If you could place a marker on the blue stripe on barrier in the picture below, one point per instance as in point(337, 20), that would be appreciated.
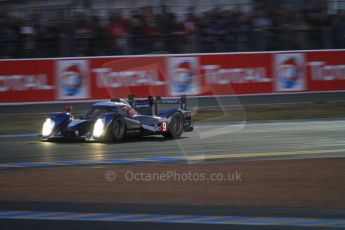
point(169, 218)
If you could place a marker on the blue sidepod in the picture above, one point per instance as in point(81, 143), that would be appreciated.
point(168, 112)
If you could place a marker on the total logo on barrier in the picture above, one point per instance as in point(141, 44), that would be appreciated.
point(290, 72)
point(24, 82)
point(72, 79)
point(184, 75)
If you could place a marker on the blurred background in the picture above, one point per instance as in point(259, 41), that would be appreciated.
point(67, 28)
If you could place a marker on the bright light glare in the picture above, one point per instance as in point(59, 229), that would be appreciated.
point(48, 127)
point(98, 128)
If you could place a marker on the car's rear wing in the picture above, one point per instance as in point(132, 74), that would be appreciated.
point(153, 103)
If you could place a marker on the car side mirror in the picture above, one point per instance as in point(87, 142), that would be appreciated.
point(68, 109)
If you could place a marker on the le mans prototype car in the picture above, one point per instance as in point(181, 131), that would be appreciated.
point(118, 119)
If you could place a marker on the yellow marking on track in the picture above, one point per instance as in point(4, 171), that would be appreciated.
point(49, 163)
point(122, 217)
point(267, 154)
point(328, 224)
point(206, 218)
point(12, 212)
point(292, 221)
point(246, 220)
point(77, 215)
point(12, 166)
point(160, 218)
point(41, 215)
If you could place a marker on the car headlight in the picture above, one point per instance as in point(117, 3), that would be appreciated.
point(98, 129)
point(48, 127)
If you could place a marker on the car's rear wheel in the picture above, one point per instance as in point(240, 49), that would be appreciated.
point(118, 129)
point(176, 126)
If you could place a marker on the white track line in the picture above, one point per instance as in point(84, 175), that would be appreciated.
point(19, 135)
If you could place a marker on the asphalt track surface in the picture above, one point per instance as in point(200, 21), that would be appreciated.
point(194, 102)
point(273, 140)
point(210, 142)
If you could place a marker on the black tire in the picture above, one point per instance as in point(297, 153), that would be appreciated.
point(176, 126)
point(118, 129)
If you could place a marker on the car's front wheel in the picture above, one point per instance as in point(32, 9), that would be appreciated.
point(118, 129)
point(176, 126)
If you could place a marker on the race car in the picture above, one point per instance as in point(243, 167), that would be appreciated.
point(118, 119)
